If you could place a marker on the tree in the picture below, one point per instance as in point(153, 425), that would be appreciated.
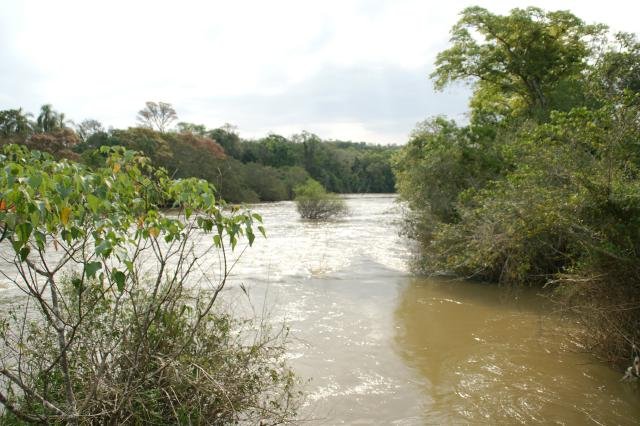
point(15, 122)
point(88, 128)
point(227, 137)
point(523, 57)
point(542, 186)
point(266, 182)
point(313, 202)
point(372, 173)
point(617, 68)
point(197, 129)
point(49, 119)
point(100, 338)
point(292, 177)
point(157, 115)
point(279, 152)
point(439, 163)
point(59, 142)
point(150, 142)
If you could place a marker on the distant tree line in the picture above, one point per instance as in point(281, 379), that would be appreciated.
point(265, 169)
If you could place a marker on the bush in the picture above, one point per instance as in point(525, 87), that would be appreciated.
point(120, 323)
point(179, 368)
point(313, 202)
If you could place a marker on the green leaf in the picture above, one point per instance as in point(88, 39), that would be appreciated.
point(94, 202)
point(120, 278)
point(75, 232)
point(23, 231)
point(66, 236)
point(35, 218)
point(206, 225)
point(91, 268)
point(104, 248)
point(35, 181)
point(41, 239)
point(24, 252)
point(262, 231)
point(216, 240)
point(77, 283)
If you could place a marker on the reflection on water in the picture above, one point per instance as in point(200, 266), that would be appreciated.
point(336, 285)
point(490, 357)
point(383, 347)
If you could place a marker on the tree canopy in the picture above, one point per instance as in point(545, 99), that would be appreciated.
point(157, 115)
point(521, 60)
point(541, 186)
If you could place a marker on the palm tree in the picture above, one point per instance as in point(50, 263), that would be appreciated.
point(22, 122)
point(63, 123)
point(15, 121)
point(48, 119)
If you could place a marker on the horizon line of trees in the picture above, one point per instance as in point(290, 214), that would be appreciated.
point(243, 170)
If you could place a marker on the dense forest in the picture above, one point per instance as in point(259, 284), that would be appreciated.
point(541, 186)
point(265, 169)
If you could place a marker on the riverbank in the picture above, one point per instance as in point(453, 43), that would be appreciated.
point(381, 346)
point(378, 345)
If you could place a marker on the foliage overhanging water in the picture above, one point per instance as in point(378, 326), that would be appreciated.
point(384, 347)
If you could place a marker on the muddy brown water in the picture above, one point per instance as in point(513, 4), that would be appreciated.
point(378, 345)
point(382, 346)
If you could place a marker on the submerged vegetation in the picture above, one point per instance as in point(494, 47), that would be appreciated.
point(112, 328)
point(542, 186)
point(315, 203)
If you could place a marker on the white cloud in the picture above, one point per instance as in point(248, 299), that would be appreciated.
point(105, 59)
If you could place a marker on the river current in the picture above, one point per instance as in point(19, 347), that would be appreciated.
point(381, 346)
point(377, 345)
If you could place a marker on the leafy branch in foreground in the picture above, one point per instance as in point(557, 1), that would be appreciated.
point(119, 322)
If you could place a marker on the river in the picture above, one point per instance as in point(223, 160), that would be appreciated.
point(381, 346)
point(376, 345)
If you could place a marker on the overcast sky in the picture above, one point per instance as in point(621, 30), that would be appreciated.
point(350, 70)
